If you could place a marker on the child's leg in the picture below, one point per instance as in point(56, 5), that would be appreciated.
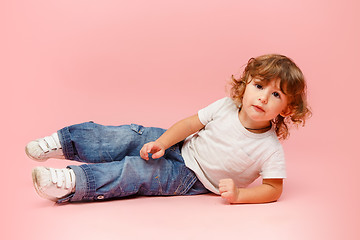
point(122, 177)
point(131, 176)
point(94, 143)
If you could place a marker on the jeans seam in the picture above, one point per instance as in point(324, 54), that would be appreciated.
point(186, 183)
point(90, 182)
point(189, 185)
point(65, 142)
point(160, 187)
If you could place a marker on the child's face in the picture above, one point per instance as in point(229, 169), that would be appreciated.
point(262, 102)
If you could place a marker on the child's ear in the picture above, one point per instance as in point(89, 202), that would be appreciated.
point(286, 112)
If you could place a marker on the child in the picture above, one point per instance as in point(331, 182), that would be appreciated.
point(222, 149)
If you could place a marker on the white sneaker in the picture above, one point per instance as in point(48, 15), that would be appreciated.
point(53, 184)
point(45, 148)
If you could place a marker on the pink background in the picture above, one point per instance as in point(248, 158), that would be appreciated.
point(155, 62)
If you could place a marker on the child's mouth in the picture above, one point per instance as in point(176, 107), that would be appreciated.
point(258, 108)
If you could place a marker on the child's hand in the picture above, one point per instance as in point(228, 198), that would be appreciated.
point(155, 148)
point(228, 190)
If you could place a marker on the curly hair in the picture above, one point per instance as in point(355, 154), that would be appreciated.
point(292, 84)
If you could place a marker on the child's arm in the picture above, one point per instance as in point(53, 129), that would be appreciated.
point(176, 133)
point(269, 191)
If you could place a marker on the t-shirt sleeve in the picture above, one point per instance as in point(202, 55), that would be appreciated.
point(275, 166)
point(207, 114)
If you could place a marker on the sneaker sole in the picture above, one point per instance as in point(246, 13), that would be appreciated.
point(33, 158)
point(38, 191)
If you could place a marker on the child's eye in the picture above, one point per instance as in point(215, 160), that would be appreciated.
point(276, 94)
point(258, 86)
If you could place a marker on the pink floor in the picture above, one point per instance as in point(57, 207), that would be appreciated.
point(155, 62)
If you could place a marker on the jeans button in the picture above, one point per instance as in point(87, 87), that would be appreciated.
point(100, 197)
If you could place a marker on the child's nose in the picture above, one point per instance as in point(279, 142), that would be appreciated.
point(263, 98)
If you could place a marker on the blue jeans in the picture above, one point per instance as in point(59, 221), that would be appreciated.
point(116, 168)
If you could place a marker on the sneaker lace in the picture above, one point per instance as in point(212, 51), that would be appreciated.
point(63, 177)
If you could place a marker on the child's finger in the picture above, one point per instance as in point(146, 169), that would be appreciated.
point(157, 155)
point(228, 196)
point(144, 156)
point(150, 146)
point(154, 155)
point(144, 152)
point(222, 189)
point(225, 195)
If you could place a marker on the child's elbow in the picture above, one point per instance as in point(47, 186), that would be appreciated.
point(277, 194)
point(275, 188)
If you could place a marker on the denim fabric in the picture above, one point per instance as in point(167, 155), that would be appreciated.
point(116, 168)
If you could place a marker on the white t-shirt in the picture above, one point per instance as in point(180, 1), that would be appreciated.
point(225, 149)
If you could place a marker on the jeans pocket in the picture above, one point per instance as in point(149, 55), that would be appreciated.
point(137, 128)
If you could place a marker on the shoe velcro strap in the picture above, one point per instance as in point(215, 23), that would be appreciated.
point(62, 177)
point(44, 146)
point(51, 143)
point(55, 136)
